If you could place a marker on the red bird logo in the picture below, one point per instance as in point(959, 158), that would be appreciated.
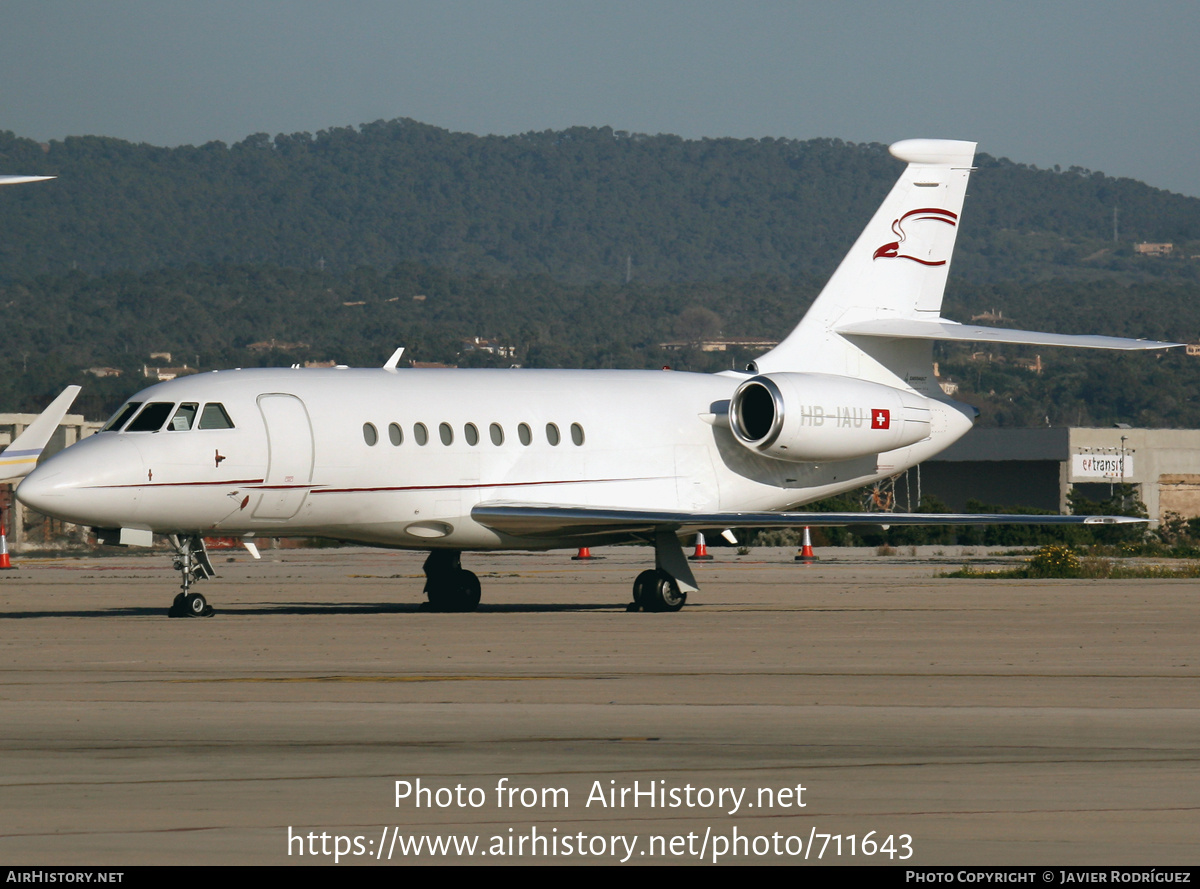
point(926, 214)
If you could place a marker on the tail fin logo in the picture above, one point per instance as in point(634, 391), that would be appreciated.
point(926, 214)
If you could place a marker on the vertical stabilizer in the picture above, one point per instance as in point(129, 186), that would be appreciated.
point(20, 457)
point(896, 269)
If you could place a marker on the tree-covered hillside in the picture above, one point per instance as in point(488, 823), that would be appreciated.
point(581, 205)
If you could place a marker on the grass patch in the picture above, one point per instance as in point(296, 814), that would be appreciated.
point(1056, 561)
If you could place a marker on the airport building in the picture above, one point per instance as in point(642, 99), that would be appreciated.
point(1039, 467)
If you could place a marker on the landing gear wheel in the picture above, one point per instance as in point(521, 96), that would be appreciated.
point(655, 590)
point(468, 591)
point(190, 605)
point(664, 594)
point(458, 591)
point(643, 584)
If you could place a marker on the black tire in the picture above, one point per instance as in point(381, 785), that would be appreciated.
point(664, 594)
point(643, 586)
point(468, 591)
point(198, 606)
point(191, 605)
point(458, 592)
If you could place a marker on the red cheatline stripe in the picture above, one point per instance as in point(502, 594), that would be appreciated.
point(317, 489)
point(569, 481)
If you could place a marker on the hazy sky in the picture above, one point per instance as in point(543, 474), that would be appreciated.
point(1105, 85)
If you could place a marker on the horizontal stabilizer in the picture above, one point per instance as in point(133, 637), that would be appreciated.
point(545, 520)
point(945, 329)
point(18, 180)
point(20, 457)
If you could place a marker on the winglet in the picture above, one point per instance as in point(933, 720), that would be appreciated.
point(20, 457)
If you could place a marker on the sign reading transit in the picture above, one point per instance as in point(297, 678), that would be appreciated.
point(1102, 466)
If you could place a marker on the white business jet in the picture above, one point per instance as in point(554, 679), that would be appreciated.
point(456, 460)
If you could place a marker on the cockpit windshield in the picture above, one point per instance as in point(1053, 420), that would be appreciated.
point(151, 418)
point(121, 417)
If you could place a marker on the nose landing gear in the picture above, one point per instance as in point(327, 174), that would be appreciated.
point(192, 563)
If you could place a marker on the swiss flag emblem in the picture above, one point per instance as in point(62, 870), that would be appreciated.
point(881, 419)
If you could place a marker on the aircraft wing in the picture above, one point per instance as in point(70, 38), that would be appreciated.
point(945, 329)
point(20, 457)
point(545, 520)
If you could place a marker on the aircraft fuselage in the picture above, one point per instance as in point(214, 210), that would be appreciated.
point(298, 459)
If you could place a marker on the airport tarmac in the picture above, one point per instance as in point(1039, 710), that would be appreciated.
point(1000, 722)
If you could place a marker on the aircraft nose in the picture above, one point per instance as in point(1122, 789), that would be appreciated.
point(94, 482)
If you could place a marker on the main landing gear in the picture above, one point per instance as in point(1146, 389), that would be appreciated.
point(449, 586)
point(656, 590)
point(666, 586)
point(192, 563)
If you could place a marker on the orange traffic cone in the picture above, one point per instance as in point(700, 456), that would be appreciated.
point(5, 563)
point(584, 555)
point(701, 553)
point(806, 554)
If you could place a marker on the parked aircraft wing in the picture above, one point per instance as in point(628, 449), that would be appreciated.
point(945, 329)
point(20, 457)
point(544, 520)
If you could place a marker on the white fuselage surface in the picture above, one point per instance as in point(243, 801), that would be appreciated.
point(297, 460)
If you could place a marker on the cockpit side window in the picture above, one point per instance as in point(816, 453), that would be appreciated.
point(121, 417)
point(184, 418)
point(214, 417)
point(152, 417)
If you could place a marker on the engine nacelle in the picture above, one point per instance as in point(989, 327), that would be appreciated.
point(809, 417)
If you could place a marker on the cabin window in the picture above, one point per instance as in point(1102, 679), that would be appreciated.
point(497, 434)
point(152, 417)
point(370, 434)
point(577, 434)
point(524, 433)
point(395, 434)
point(552, 434)
point(446, 434)
point(421, 434)
point(214, 417)
point(471, 434)
point(121, 417)
point(184, 418)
